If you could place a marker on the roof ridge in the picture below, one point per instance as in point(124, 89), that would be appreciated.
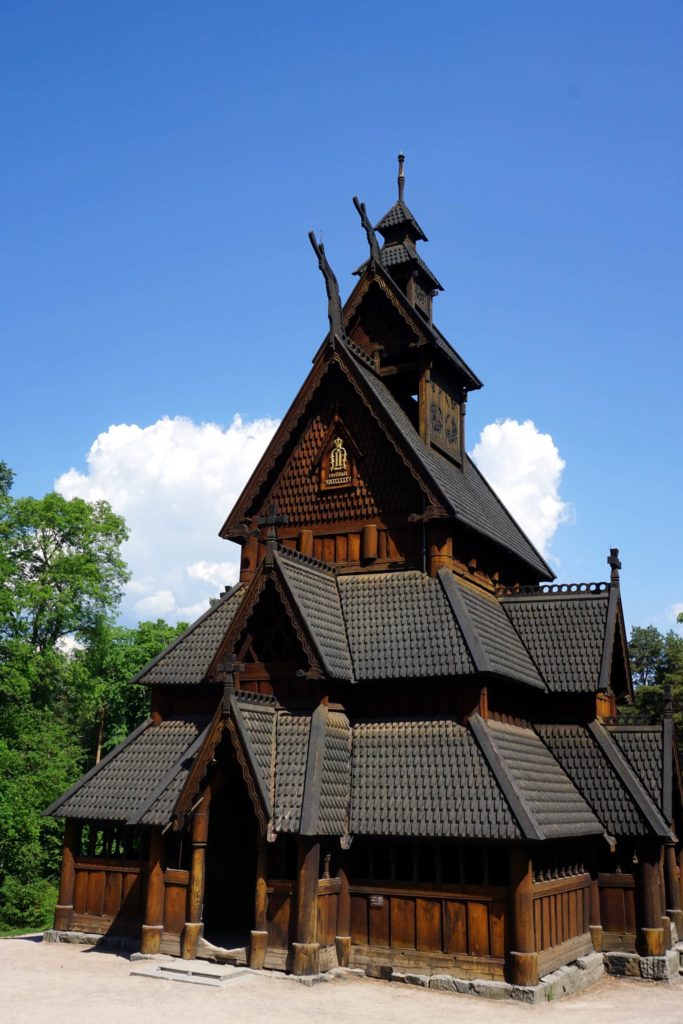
point(518, 805)
point(308, 560)
point(554, 589)
point(190, 629)
point(628, 778)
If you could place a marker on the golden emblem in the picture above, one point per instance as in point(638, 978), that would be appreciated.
point(338, 458)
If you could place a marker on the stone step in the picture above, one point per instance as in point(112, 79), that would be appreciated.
point(193, 972)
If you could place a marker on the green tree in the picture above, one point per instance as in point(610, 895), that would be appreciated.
point(656, 661)
point(61, 576)
point(114, 655)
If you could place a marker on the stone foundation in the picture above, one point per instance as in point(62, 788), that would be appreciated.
point(644, 968)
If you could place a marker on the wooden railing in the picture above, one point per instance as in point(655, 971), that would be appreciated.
point(431, 919)
point(560, 910)
point(108, 893)
point(281, 911)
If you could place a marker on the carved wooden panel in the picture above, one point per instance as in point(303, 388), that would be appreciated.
point(443, 415)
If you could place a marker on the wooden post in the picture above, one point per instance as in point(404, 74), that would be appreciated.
point(65, 903)
point(259, 935)
point(440, 548)
point(680, 876)
point(666, 920)
point(594, 916)
point(651, 932)
point(306, 950)
point(673, 893)
point(369, 542)
point(154, 909)
point(523, 956)
point(342, 939)
point(195, 897)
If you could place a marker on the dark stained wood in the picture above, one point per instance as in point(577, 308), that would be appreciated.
point(428, 925)
point(478, 929)
point(67, 880)
point(94, 902)
point(154, 909)
point(308, 871)
point(402, 920)
point(359, 920)
point(497, 928)
point(455, 926)
point(378, 922)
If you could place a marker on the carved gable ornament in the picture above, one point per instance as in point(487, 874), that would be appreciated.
point(337, 462)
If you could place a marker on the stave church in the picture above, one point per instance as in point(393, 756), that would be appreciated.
point(393, 744)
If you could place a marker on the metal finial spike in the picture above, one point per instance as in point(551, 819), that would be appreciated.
point(401, 176)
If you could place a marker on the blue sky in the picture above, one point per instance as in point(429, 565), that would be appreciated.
point(161, 164)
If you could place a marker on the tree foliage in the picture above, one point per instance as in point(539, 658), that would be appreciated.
point(65, 671)
point(656, 661)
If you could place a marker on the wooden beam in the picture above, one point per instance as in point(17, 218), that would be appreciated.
point(305, 950)
point(195, 897)
point(651, 932)
point(154, 908)
point(523, 956)
point(343, 937)
point(67, 879)
point(259, 935)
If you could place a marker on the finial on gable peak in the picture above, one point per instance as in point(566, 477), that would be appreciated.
point(368, 228)
point(615, 564)
point(401, 176)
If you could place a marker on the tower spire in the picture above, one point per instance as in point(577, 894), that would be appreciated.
point(401, 176)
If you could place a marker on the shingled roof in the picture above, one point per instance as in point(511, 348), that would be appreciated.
point(186, 661)
point(620, 803)
point(397, 215)
point(642, 746)
point(545, 800)
point(140, 780)
point(468, 497)
point(313, 587)
point(563, 632)
point(400, 626)
point(425, 778)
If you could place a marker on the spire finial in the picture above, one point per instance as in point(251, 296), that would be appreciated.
point(615, 564)
point(401, 176)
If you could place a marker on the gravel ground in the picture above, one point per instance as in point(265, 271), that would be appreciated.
point(55, 983)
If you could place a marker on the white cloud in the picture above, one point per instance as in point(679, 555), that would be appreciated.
point(174, 481)
point(674, 611)
point(524, 468)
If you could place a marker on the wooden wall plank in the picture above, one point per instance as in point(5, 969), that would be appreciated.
point(94, 902)
point(359, 920)
point(402, 919)
point(497, 928)
point(80, 891)
point(378, 923)
point(478, 929)
point(113, 889)
point(428, 925)
point(455, 926)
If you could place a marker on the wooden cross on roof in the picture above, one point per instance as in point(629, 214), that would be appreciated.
point(615, 564)
point(229, 666)
point(271, 521)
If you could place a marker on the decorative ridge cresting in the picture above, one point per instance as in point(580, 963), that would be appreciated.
point(552, 589)
point(307, 560)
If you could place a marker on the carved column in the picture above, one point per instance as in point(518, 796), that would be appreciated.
point(306, 950)
point(259, 935)
point(523, 956)
point(673, 894)
point(195, 897)
point(65, 903)
point(666, 920)
point(154, 909)
point(343, 937)
point(650, 932)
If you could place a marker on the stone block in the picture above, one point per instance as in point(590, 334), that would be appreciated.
point(491, 989)
point(417, 979)
point(463, 985)
point(530, 994)
point(443, 982)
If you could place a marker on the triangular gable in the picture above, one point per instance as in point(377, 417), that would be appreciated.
point(290, 462)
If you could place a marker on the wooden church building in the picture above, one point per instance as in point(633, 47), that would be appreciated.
point(393, 744)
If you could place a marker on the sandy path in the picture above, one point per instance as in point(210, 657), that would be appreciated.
point(45, 983)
